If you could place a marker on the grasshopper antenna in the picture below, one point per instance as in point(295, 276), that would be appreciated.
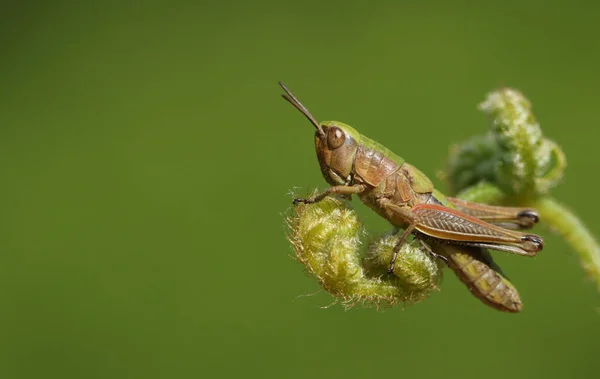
point(289, 96)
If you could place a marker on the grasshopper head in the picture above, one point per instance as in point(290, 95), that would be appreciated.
point(336, 144)
point(336, 149)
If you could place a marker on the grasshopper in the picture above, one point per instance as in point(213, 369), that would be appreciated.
point(458, 231)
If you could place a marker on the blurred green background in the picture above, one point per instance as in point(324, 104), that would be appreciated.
point(146, 159)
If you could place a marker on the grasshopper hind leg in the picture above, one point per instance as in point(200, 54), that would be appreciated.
point(535, 243)
point(527, 218)
point(434, 254)
point(506, 217)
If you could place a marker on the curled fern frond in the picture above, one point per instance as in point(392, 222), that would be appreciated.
point(326, 238)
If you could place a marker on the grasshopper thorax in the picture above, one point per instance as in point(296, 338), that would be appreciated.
point(336, 144)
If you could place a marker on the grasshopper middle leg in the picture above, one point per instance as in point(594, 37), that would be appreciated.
point(398, 246)
point(406, 216)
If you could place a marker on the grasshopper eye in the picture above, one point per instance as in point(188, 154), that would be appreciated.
point(335, 138)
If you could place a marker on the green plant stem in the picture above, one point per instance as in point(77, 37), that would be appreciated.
point(483, 192)
point(565, 223)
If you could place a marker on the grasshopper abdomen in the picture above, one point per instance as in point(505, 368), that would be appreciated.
point(476, 269)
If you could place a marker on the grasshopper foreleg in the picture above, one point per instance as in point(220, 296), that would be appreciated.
point(342, 190)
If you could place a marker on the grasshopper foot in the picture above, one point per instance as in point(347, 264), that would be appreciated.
point(390, 269)
point(303, 201)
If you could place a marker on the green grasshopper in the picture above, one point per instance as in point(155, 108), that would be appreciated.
point(458, 231)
